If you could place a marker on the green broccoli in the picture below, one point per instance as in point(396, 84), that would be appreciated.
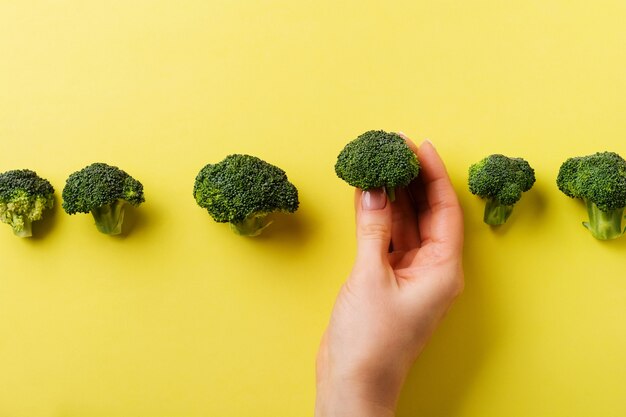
point(23, 198)
point(501, 181)
point(104, 191)
point(600, 181)
point(243, 190)
point(377, 159)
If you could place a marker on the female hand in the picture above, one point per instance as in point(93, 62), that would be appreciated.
point(407, 272)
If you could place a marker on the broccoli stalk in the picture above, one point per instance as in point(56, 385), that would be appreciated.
point(252, 225)
point(109, 217)
point(22, 226)
point(378, 159)
point(496, 213)
point(600, 181)
point(103, 191)
point(23, 198)
point(244, 190)
point(604, 225)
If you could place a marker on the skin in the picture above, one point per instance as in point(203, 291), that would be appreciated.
point(407, 273)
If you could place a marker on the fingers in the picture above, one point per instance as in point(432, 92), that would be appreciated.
point(373, 226)
point(439, 212)
point(428, 211)
point(409, 142)
point(405, 231)
point(404, 227)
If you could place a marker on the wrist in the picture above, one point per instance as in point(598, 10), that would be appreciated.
point(347, 403)
point(357, 395)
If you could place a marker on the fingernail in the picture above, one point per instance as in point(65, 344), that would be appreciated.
point(429, 142)
point(403, 135)
point(374, 199)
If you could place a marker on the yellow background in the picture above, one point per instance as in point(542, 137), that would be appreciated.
point(180, 317)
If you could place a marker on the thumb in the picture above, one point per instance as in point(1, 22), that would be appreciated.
point(373, 226)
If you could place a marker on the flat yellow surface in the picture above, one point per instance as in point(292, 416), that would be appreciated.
point(180, 317)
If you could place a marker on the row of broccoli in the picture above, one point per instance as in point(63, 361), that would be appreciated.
point(99, 189)
point(244, 190)
point(241, 189)
point(380, 159)
point(599, 180)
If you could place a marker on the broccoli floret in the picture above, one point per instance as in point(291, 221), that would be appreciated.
point(23, 198)
point(377, 159)
point(500, 180)
point(103, 191)
point(243, 190)
point(600, 181)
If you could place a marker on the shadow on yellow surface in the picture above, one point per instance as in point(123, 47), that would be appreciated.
point(42, 228)
point(445, 373)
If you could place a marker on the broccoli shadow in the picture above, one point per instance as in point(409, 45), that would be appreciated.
point(43, 227)
point(445, 371)
point(292, 228)
point(529, 211)
point(535, 203)
point(135, 220)
point(616, 244)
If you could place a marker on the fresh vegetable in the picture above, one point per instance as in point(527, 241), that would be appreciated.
point(23, 198)
point(243, 190)
point(377, 159)
point(103, 191)
point(600, 181)
point(500, 181)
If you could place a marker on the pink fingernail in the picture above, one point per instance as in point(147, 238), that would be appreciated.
point(374, 199)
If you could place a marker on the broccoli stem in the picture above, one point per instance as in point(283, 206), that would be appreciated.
point(496, 214)
point(252, 225)
point(604, 225)
point(109, 217)
point(22, 226)
point(391, 193)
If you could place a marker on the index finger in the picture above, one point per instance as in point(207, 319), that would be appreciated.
point(445, 215)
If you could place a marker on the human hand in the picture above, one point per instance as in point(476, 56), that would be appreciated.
point(407, 272)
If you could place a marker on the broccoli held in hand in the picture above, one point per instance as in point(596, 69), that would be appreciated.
point(243, 190)
point(501, 181)
point(103, 191)
point(377, 159)
point(600, 181)
point(23, 198)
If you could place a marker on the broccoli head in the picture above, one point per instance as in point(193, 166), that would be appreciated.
point(103, 191)
point(500, 180)
point(23, 198)
point(243, 190)
point(377, 159)
point(600, 181)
